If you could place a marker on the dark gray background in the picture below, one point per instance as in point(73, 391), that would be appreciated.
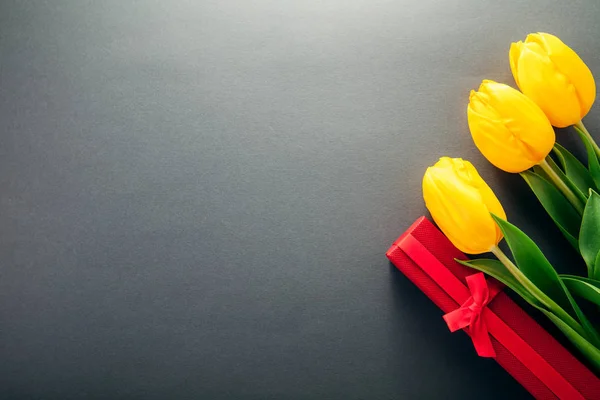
point(196, 197)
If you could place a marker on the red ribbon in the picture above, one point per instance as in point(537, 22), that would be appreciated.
point(469, 314)
point(488, 320)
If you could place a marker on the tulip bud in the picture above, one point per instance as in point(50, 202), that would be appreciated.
point(554, 77)
point(460, 202)
point(509, 129)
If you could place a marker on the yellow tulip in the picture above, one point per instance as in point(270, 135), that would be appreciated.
point(509, 129)
point(553, 75)
point(460, 202)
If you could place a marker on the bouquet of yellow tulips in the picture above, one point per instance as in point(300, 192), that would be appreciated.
point(514, 131)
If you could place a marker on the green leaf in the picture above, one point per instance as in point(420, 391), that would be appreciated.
point(554, 166)
point(589, 234)
point(496, 269)
point(593, 282)
point(582, 196)
point(566, 218)
point(540, 171)
point(591, 353)
point(585, 288)
point(591, 333)
point(593, 164)
point(534, 265)
point(574, 169)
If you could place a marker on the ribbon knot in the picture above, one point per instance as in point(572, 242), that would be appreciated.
point(476, 308)
point(469, 315)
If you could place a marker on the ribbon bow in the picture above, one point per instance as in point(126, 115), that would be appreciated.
point(470, 314)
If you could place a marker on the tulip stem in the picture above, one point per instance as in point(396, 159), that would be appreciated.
point(523, 280)
point(583, 129)
point(546, 301)
point(562, 186)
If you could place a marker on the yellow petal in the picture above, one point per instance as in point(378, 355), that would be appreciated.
point(457, 199)
point(572, 67)
point(508, 128)
point(513, 56)
point(542, 81)
point(497, 144)
point(523, 119)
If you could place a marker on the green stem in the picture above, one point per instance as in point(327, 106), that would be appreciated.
point(562, 186)
point(546, 301)
point(590, 138)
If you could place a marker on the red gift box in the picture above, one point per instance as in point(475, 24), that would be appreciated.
point(518, 343)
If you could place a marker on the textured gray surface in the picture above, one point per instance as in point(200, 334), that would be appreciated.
point(196, 196)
